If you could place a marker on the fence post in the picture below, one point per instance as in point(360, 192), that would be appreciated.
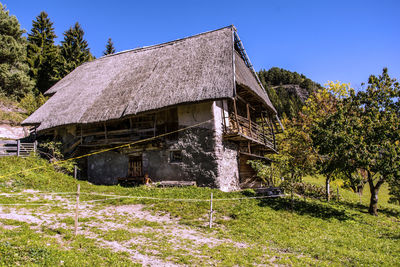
point(211, 210)
point(77, 209)
point(34, 147)
point(18, 147)
point(75, 172)
point(337, 192)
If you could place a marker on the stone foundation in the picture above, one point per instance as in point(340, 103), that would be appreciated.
point(204, 156)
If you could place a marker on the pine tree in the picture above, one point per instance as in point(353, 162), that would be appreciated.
point(42, 53)
point(110, 49)
point(14, 78)
point(74, 50)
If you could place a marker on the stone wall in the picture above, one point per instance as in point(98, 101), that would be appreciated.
point(204, 156)
point(196, 146)
point(106, 168)
point(226, 151)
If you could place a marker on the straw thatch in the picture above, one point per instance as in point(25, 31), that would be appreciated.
point(192, 69)
point(244, 76)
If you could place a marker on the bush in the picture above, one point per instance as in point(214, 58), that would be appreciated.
point(30, 102)
point(270, 174)
point(52, 151)
point(306, 189)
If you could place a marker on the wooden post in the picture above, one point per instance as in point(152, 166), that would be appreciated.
point(236, 118)
point(77, 209)
point(263, 128)
point(337, 193)
point(272, 130)
point(155, 124)
point(35, 146)
point(223, 116)
point(211, 210)
point(359, 195)
point(75, 172)
point(249, 119)
point(18, 147)
point(105, 132)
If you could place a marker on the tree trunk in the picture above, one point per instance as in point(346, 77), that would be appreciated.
point(292, 192)
point(374, 189)
point(327, 187)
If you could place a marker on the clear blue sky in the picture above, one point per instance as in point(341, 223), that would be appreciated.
point(325, 40)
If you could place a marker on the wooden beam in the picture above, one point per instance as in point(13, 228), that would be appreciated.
point(155, 124)
point(249, 118)
point(272, 131)
point(244, 101)
point(223, 115)
point(262, 125)
point(105, 132)
point(72, 146)
point(236, 117)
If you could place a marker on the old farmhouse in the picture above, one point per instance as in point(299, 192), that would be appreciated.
point(153, 94)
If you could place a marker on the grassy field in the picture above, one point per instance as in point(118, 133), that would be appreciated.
point(129, 231)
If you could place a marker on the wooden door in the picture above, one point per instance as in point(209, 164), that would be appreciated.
point(135, 167)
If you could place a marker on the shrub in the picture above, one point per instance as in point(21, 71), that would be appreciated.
point(306, 189)
point(30, 102)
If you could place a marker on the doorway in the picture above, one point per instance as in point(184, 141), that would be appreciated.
point(135, 167)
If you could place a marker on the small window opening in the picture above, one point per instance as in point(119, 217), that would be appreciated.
point(176, 156)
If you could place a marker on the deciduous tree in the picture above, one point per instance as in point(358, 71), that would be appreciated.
point(364, 133)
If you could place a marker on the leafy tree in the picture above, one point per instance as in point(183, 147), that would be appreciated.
point(74, 50)
point(14, 79)
point(318, 106)
point(110, 49)
point(42, 53)
point(296, 157)
point(364, 133)
point(394, 190)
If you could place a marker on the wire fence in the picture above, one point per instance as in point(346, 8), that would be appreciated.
point(113, 197)
point(108, 197)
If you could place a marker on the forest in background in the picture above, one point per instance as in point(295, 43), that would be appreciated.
point(30, 65)
point(287, 90)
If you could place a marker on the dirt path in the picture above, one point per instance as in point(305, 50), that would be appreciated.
point(150, 239)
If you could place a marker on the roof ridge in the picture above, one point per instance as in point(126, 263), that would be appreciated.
point(144, 48)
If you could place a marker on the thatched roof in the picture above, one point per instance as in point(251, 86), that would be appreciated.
point(187, 70)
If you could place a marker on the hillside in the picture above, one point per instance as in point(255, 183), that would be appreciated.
point(156, 226)
point(11, 116)
point(287, 90)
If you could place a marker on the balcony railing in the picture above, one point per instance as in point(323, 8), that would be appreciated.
point(247, 129)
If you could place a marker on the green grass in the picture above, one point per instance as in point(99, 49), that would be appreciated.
point(314, 233)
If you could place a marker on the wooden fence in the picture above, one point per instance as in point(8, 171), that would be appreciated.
point(16, 148)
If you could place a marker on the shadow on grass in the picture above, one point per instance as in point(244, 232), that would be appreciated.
point(364, 209)
point(315, 209)
point(390, 236)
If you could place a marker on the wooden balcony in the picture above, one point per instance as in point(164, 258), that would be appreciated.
point(244, 130)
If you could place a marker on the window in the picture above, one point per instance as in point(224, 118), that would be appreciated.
point(175, 156)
